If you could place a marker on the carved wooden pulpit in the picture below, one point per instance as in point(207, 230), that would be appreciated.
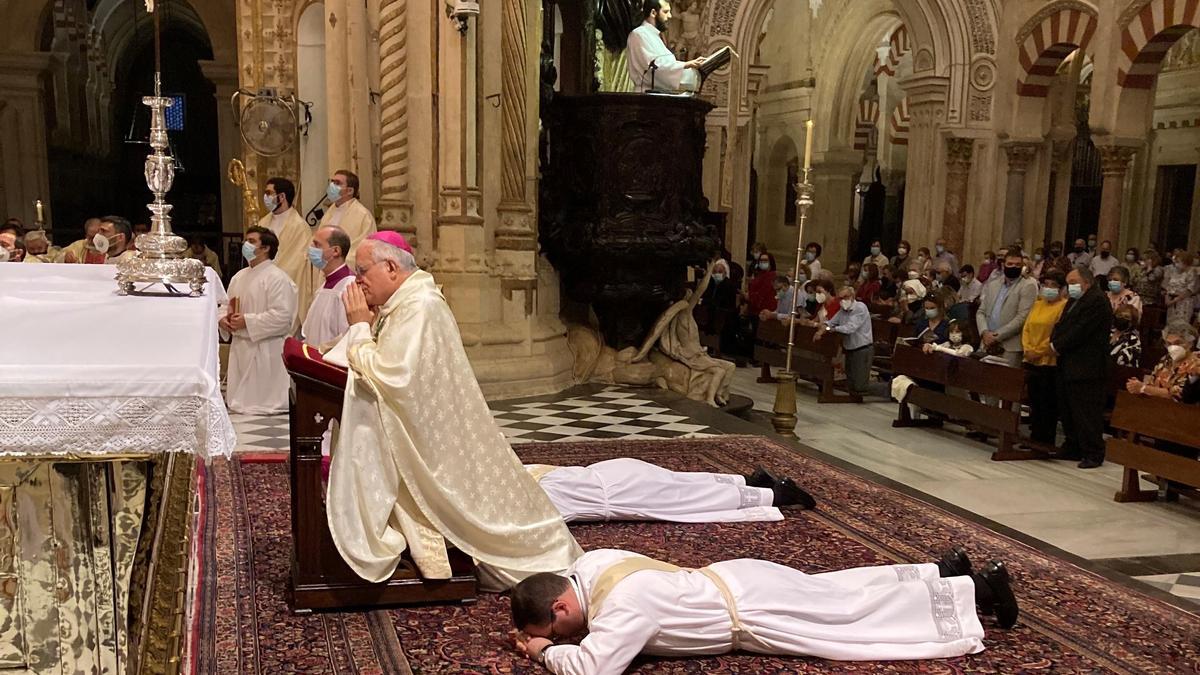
point(320, 578)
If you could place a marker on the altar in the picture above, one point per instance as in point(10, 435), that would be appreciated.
point(107, 404)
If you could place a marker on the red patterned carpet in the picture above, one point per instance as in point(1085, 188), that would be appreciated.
point(1073, 621)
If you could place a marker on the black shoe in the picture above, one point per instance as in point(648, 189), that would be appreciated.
point(761, 478)
point(787, 493)
point(954, 563)
point(993, 588)
point(1090, 463)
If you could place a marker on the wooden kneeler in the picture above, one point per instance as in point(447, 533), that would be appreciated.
point(320, 578)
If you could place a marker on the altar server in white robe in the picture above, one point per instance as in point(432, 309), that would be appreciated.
point(259, 315)
point(420, 463)
point(645, 47)
point(345, 211)
point(294, 235)
point(630, 489)
point(325, 322)
point(115, 240)
point(630, 604)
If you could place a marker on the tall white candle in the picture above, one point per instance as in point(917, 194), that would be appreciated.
point(40, 216)
point(808, 138)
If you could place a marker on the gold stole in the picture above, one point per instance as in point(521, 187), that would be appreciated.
point(539, 471)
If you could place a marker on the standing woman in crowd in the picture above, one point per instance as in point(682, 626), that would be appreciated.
point(1119, 292)
point(902, 259)
point(1180, 284)
point(1148, 279)
point(1041, 363)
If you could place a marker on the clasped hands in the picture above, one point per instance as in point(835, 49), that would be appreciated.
point(232, 323)
point(531, 646)
point(357, 309)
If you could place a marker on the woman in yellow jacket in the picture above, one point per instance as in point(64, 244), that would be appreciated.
point(1040, 360)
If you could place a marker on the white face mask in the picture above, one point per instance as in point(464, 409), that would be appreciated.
point(1177, 352)
point(956, 339)
point(847, 304)
point(101, 243)
point(822, 298)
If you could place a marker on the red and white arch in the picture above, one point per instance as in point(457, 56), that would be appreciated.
point(868, 118)
point(898, 46)
point(1051, 40)
point(899, 123)
point(1148, 37)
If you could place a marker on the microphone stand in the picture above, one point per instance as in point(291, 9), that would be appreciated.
point(653, 72)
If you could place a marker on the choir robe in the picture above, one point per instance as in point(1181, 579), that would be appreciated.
point(294, 237)
point(420, 461)
point(870, 613)
point(257, 382)
point(326, 319)
point(354, 219)
point(645, 45)
point(630, 489)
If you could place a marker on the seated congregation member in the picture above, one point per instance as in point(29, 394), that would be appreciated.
point(956, 343)
point(115, 240)
point(970, 288)
point(853, 322)
point(812, 256)
point(761, 292)
point(910, 304)
point(1040, 360)
point(1170, 376)
point(956, 310)
point(869, 283)
point(933, 327)
point(1080, 342)
point(628, 604)
point(783, 299)
point(1003, 308)
point(259, 316)
point(1119, 292)
point(876, 256)
point(902, 259)
point(630, 489)
point(197, 250)
point(826, 302)
point(1126, 340)
point(326, 319)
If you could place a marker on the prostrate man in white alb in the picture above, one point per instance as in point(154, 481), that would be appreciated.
point(260, 314)
point(630, 489)
point(326, 319)
point(652, 66)
point(346, 211)
point(630, 604)
point(294, 234)
point(420, 462)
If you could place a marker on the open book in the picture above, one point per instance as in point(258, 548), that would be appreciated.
point(715, 61)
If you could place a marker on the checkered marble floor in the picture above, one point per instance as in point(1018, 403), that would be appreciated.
point(261, 433)
point(1185, 585)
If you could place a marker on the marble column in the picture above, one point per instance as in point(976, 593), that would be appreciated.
point(1019, 155)
point(1060, 190)
point(515, 231)
point(927, 95)
point(958, 174)
point(1114, 163)
point(834, 177)
point(24, 164)
point(893, 214)
point(395, 202)
point(224, 77)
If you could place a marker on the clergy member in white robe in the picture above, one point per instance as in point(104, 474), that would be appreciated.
point(325, 322)
point(645, 48)
point(260, 314)
point(114, 239)
point(294, 235)
point(630, 604)
point(345, 211)
point(420, 463)
point(630, 489)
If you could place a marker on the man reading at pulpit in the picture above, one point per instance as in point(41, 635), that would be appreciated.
point(652, 66)
point(420, 463)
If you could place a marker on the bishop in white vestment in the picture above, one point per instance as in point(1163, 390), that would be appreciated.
point(262, 316)
point(346, 212)
point(645, 48)
point(325, 322)
point(294, 235)
point(421, 463)
point(630, 604)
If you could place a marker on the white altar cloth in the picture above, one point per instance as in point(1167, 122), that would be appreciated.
point(84, 371)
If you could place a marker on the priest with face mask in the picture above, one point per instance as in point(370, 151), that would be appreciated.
point(346, 211)
point(286, 223)
point(114, 239)
point(420, 463)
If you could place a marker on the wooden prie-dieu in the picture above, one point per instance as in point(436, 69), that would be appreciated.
point(320, 578)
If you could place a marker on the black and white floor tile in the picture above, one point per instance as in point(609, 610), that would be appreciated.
point(261, 433)
point(1184, 585)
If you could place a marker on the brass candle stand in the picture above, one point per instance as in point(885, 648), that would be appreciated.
point(784, 419)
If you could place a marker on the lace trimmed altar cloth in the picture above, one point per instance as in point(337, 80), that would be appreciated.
point(85, 371)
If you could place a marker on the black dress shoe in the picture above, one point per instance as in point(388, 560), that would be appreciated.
point(954, 563)
point(787, 493)
point(1090, 463)
point(993, 587)
point(761, 478)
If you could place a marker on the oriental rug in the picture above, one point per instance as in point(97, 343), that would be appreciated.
point(1073, 621)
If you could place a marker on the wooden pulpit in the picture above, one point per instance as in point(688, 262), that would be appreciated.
point(320, 578)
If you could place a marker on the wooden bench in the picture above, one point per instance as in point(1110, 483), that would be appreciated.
point(886, 333)
point(1138, 419)
point(980, 379)
point(812, 361)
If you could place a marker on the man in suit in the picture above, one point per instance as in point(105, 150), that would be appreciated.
point(1081, 341)
point(1004, 306)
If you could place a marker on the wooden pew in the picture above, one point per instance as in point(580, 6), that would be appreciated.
point(1138, 419)
point(812, 361)
point(980, 379)
point(886, 333)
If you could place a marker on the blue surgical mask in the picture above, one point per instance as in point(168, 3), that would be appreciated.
point(333, 192)
point(271, 202)
point(810, 256)
point(803, 278)
point(1075, 290)
point(764, 265)
point(718, 277)
point(930, 313)
point(249, 250)
point(1114, 286)
point(317, 257)
point(940, 248)
point(874, 250)
point(1050, 294)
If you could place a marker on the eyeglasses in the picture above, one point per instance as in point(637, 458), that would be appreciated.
point(362, 271)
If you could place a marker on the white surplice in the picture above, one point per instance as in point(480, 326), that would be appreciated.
point(294, 236)
point(871, 613)
point(326, 319)
point(645, 46)
point(630, 489)
point(420, 461)
point(354, 219)
point(257, 383)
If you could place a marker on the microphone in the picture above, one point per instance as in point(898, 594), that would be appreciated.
point(653, 72)
point(642, 79)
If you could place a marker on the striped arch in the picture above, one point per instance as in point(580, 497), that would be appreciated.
point(1051, 36)
point(898, 46)
point(1149, 35)
point(899, 123)
point(868, 118)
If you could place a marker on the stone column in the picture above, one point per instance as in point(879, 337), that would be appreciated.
point(1019, 155)
point(1060, 190)
point(958, 174)
point(893, 216)
point(1114, 163)
point(927, 111)
point(395, 202)
point(1194, 228)
point(24, 165)
point(834, 177)
point(516, 231)
point(224, 77)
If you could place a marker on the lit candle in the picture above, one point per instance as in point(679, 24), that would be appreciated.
point(808, 145)
point(40, 216)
